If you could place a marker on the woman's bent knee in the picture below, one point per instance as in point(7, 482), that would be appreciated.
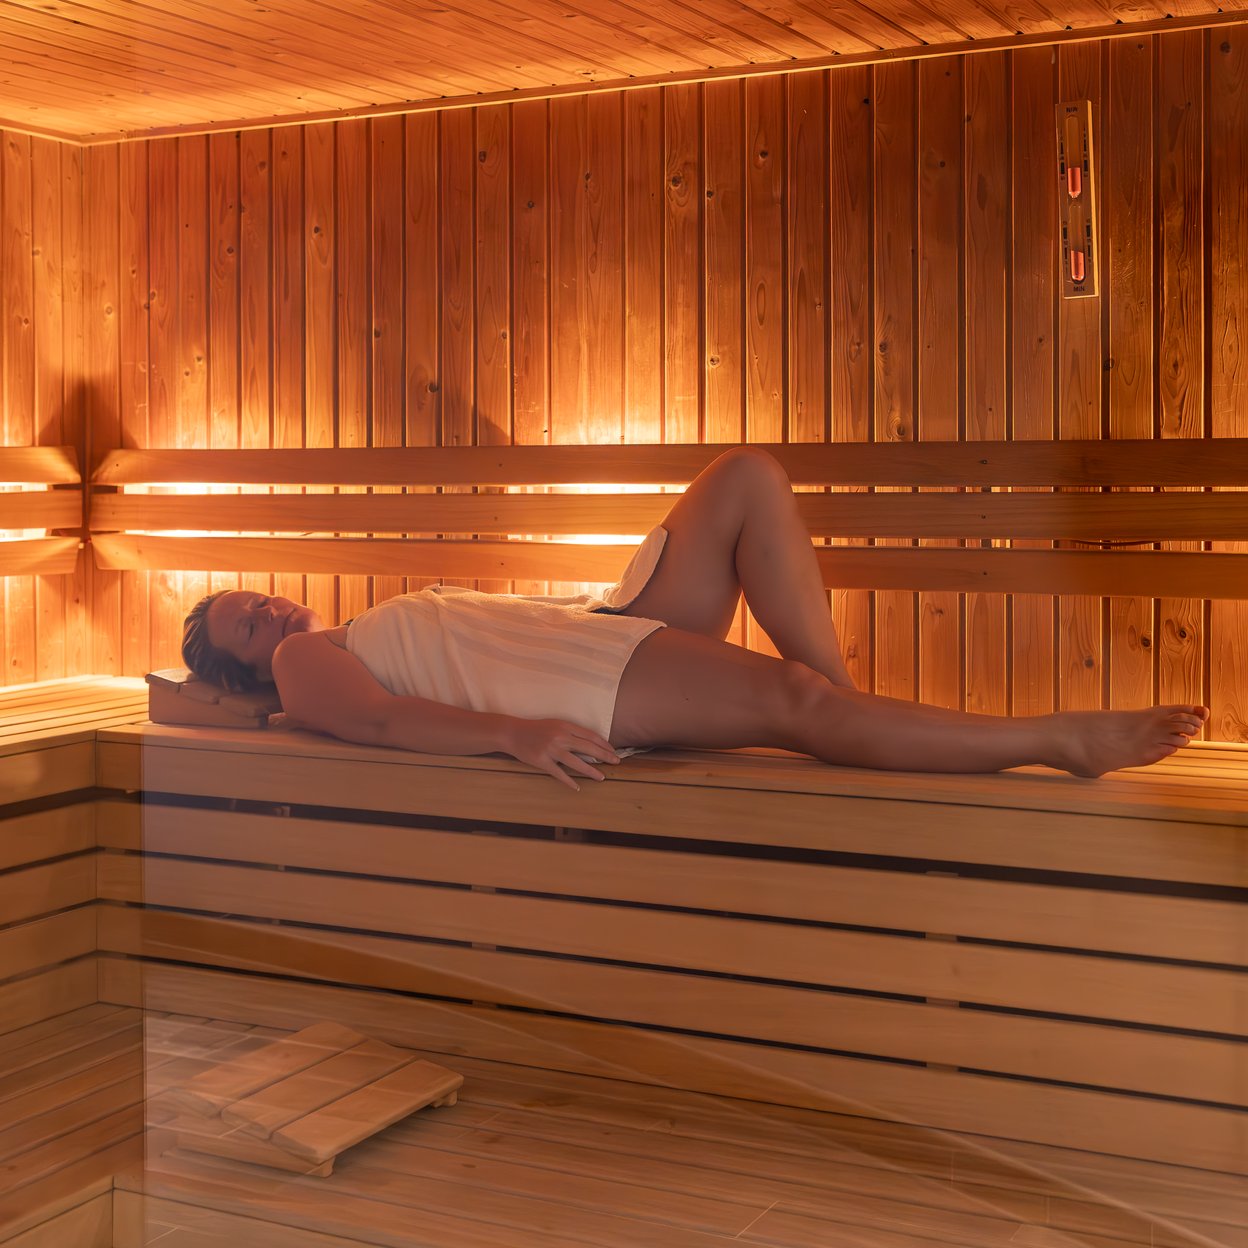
point(756, 464)
point(801, 695)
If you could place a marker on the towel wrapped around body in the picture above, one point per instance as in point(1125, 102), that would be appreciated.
point(530, 656)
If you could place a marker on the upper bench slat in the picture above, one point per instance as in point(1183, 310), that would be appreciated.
point(39, 465)
point(1139, 517)
point(1139, 461)
point(1129, 573)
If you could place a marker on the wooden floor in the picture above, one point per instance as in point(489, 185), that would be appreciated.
point(531, 1158)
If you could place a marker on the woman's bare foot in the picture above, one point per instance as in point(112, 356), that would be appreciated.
point(1090, 743)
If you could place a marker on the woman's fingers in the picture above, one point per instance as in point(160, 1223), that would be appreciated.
point(580, 766)
point(553, 768)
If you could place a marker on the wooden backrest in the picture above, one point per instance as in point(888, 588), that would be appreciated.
point(231, 532)
point(24, 510)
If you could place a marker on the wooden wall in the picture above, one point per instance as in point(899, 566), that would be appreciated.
point(864, 253)
point(43, 627)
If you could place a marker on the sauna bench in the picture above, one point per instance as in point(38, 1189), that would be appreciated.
point(71, 1092)
point(1025, 955)
point(47, 732)
point(47, 839)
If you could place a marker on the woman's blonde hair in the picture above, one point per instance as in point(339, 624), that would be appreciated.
point(209, 662)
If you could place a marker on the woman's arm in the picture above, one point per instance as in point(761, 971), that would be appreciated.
point(325, 687)
point(329, 689)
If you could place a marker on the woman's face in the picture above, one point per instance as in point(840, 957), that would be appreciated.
point(250, 626)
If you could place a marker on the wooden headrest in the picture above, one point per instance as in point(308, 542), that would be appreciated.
point(176, 696)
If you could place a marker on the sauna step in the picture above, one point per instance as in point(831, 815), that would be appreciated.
point(299, 1102)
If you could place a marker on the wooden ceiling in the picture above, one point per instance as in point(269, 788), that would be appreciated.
point(95, 70)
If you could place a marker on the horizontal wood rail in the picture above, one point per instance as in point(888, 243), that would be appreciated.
point(1180, 461)
point(39, 509)
point(39, 465)
point(1136, 517)
point(295, 532)
point(1129, 573)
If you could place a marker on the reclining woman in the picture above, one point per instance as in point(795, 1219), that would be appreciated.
point(563, 684)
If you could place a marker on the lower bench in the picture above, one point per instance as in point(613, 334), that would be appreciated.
point(1025, 955)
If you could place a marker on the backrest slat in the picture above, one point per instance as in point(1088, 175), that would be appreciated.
point(1190, 462)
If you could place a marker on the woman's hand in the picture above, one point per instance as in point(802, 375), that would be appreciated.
point(553, 744)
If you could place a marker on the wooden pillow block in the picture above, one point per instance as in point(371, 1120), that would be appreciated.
point(177, 696)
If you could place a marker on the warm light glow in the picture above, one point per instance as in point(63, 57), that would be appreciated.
point(573, 588)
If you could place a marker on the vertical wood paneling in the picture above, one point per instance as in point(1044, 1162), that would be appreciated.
point(353, 298)
point(320, 320)
point(723, 228)
point(255, 303)
point(289, 382)
point(602, 269)
point(1228, 347)
point(133, 331)
point(1180, 349)
point(765, 279)
point(683, 276)
point(165, 596)
point(423, 290)
point(78, 587)
point(224, 369)
point(852, 355)
point(941, 315)
point(644, 199)
point(724, 224)
point(102, 388)
point(458, 157)
point(47, 290)
point(386, 300)
point(18, 372)
point(854, 254)
point(530, 282)
point(493, 289)
point(191, 416)
point(987, 213)
point(1080, 652)
point(806, 175)
point(1127, 234)
point(1035, 291)
point(896, 239)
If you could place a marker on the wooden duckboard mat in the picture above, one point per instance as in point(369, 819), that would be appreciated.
point(298, 1102)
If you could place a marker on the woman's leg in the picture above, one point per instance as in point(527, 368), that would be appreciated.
point(684, 689)
point(737, 528)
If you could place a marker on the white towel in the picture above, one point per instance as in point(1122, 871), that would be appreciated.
point(529, 656)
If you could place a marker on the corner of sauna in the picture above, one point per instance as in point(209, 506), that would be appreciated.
point(259, 985)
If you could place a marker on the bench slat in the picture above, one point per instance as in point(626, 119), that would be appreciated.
point(39, 556)
point(1194, 929)
point(1061, 1049)
point(46, 834)
point(44, 942)
point(39, 465)
point(64, 988)
point(1119, 573)
point(41, 509)
point(1119, 461)
point(735, 795)
point(1067, 983)
point(31, 891)
point(1093, 517)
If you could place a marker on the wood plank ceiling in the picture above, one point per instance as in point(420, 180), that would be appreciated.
point(98, 70)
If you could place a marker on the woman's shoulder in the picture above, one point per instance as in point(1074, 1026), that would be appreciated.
point(306, 647)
